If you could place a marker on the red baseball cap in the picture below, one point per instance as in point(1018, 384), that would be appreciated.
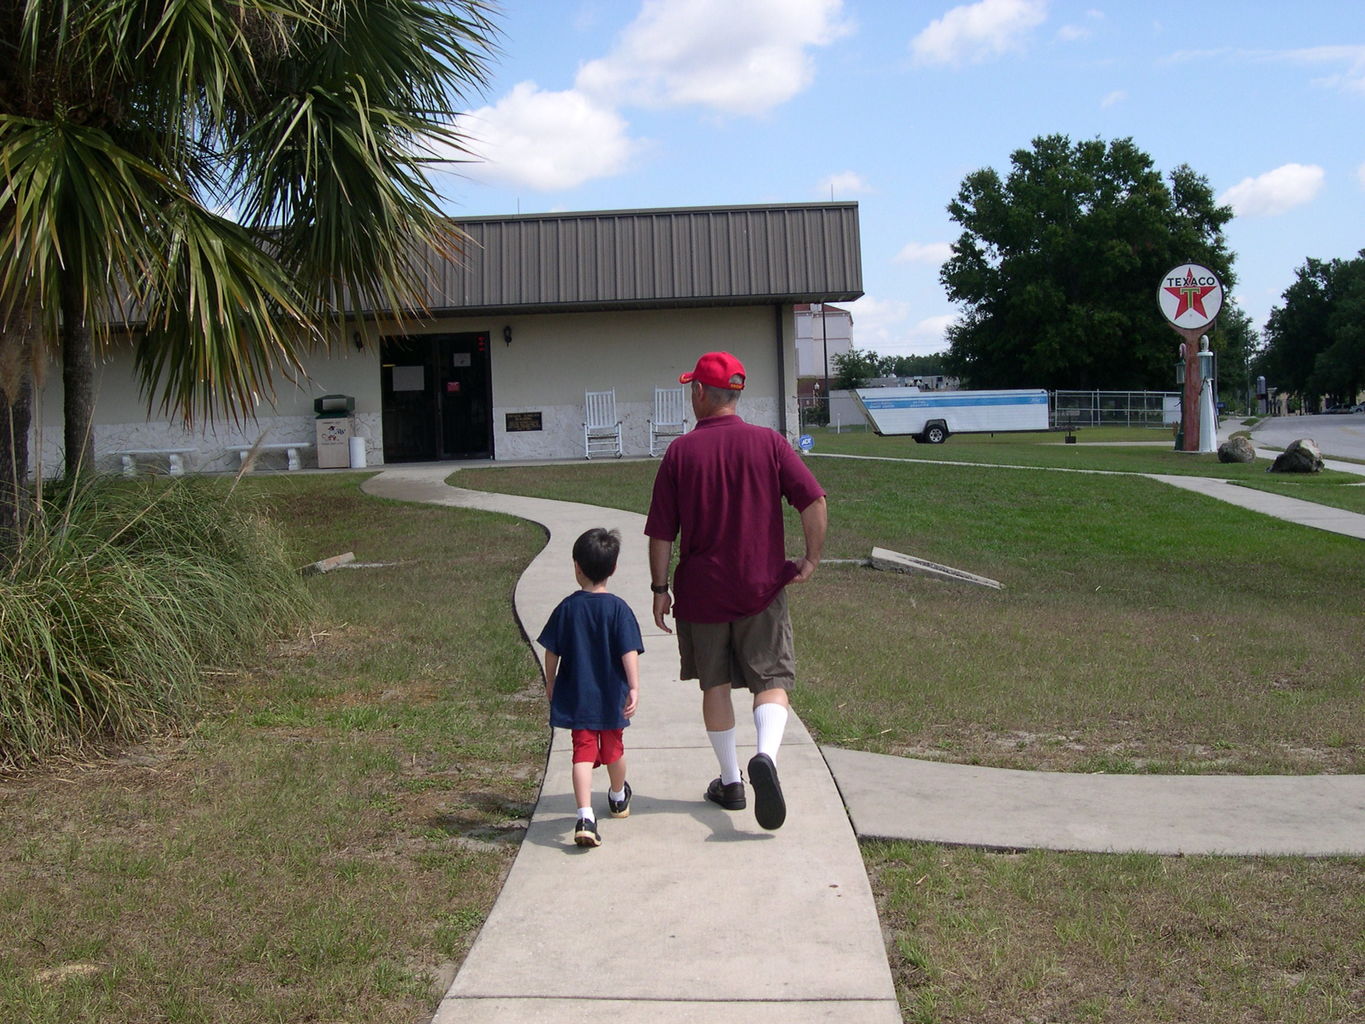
point(715, 370)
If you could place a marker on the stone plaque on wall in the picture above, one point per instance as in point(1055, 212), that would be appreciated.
point(517, 421)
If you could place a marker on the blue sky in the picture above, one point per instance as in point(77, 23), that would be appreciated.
point(622, 104)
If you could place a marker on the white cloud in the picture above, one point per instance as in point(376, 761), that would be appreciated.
point(1352, 79)
point(546, 140)
point(1360, 173)
point(924, 252)
point(737, 58)
point(844, 182)
point(1114, 98)
point(741, 58)
point(884, 326)
point(977, 32)
point(1275, 192)
point(1075, 33)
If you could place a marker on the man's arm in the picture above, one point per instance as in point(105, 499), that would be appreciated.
point(660, 554)
point(814, 524)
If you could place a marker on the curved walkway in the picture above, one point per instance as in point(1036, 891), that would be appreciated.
point(665, 916)
point(687, 914)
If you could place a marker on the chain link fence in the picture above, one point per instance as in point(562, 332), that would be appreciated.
point(1156, 409)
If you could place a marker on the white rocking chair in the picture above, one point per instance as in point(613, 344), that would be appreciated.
point(669, 419)
point(601, 428)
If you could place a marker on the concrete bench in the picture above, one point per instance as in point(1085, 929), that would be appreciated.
point(174, 458)
point(291, 448)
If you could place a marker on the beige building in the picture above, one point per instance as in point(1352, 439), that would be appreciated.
point(543, 309)
point(823, 331)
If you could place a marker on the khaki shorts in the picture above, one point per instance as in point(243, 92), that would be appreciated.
point(754, 653)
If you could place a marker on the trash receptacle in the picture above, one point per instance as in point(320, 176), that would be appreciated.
point(335, 425)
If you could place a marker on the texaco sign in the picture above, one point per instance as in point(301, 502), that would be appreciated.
point(1190, 296)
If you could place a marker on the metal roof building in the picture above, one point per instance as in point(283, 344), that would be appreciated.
point(538, 310)
point(652, 259)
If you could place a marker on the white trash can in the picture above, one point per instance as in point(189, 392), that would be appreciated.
point(357, 452)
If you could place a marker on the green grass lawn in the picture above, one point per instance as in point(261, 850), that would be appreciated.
point(325, 843)
point(330, 835)
point(1141, 628)
point(1102, 450)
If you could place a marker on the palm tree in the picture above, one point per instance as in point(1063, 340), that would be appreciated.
point(226, 175)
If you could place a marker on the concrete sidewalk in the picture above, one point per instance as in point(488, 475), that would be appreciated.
point(1278, 506)
point(1003, 809)
point(687, 913)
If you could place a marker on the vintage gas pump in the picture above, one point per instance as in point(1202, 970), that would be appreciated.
point(1208, 413)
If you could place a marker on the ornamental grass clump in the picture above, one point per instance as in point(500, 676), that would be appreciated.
point(121, 594)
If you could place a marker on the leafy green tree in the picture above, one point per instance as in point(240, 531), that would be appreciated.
point(1339, 371)
point(1315, 340)
point(1235, 340)
point(1297, 330)
point(1057, 266)
point(228, 173)
point(853, 369)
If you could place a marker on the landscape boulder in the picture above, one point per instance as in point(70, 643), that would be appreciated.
point(1302, 456)
point(1237, 449)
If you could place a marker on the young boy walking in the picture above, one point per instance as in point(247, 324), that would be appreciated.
point(592, 656)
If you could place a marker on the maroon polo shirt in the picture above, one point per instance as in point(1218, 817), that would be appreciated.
point(721, 488)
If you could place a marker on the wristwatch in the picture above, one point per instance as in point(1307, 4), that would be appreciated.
point(659, 588)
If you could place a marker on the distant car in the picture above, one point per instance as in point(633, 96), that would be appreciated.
point(1335, 410)
point(1358, 407)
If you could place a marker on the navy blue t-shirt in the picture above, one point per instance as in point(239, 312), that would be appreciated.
point(590, 633)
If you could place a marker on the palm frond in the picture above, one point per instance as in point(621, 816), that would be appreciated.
point(221, 323)
point(81, 207)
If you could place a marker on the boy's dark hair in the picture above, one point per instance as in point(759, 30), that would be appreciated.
point(596, 553)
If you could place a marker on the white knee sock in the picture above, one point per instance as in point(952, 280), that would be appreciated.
point(723, 743)
point(770, 720)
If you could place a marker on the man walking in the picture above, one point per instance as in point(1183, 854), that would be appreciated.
point(720, 490)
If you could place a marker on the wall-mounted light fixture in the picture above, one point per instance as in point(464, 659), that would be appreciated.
point(507, 334)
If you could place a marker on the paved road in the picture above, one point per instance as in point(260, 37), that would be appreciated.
point(1342, 437)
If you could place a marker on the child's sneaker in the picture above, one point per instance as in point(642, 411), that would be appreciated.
point(620, 808)
point(585, 833)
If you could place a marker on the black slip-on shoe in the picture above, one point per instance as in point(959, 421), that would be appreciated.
point(585, 833)
point(620, 808)
point(730, 796)
point(769, 807)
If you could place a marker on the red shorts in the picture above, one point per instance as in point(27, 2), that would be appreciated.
point(600, 746)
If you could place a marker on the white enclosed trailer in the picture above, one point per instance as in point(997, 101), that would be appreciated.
point(932, 416)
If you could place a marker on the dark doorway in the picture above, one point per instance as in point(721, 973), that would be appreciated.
point(437, 394)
